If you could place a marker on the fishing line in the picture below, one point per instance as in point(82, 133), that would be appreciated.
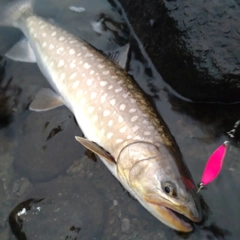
point(214, 164)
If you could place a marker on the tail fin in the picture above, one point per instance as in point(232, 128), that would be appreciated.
point(13, 12)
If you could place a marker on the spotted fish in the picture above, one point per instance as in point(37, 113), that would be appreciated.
point(119, 124)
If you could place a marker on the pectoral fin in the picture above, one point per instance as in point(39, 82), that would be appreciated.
point(96, 149)
point(21, 52)
point(45, 100)
point(120, 56)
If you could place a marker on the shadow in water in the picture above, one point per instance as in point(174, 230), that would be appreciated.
point(8, 103)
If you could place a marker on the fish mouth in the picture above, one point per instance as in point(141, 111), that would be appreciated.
point(177, 219)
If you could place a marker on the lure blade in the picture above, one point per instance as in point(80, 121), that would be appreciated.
point(214, 165)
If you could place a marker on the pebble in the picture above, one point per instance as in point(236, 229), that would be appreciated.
point(125, 224)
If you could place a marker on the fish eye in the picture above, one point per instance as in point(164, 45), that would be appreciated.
point(169, 188)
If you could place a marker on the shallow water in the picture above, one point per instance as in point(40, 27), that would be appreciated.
point(50, 189)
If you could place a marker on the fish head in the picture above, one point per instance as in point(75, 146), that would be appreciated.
point(165, 188)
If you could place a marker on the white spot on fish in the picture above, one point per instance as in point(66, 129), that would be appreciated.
point(103, 83)
point(134, 118)
point(51, 46)
point(113, 101)
point(135, 128)
point(118, 90)
point(62, 76)
point(114, 77)
point(83, 74)
point(31, 30)
point(35, 35)
point(90, 110)
point(91, 72)
point(105, 72)
point(95, 118)
point(72, 41)
point(123, 129)
point(103, 98)
point(110, 123)
point(79, 93)
point(73, 75)
point(60, 50)
point(109, 135)
point(110, 87)
point(145, 121)
point(72, 65)
point(137, 138)
point(86, 65)
point(61, 63)
point(93, 95)
point(102, 132)
point(53, 34)
point(125, 95)
point(147, 133)
point(75, 84)
point(88, 55)
point(44, 34)
point(120, 119)
point(44, 44)
point(43, 26)
point(100, 65)
point(61, 38)
point(119, 140)
point(106, 113)
point(71, 51)
point(132, 100)
point(132, 110)
point(129, 137)
point(89, 81)
point(122, 107)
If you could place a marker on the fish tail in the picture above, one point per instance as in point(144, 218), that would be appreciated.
point(13, 12)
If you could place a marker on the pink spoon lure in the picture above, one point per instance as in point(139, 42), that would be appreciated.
point(214, 165)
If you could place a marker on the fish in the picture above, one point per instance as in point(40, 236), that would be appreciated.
point(119, 124)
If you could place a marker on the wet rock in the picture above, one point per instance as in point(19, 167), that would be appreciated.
point(21, 186)
point(65, 208)
point(82, 167)
point(47, 146)
point(125, 225)
point(4, 234)
point(6, 179)
point(193, 45)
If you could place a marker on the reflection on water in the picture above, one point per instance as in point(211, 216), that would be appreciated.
point(41, 160)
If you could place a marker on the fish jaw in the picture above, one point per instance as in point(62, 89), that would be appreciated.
point(172, 220)
point(172, 214)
